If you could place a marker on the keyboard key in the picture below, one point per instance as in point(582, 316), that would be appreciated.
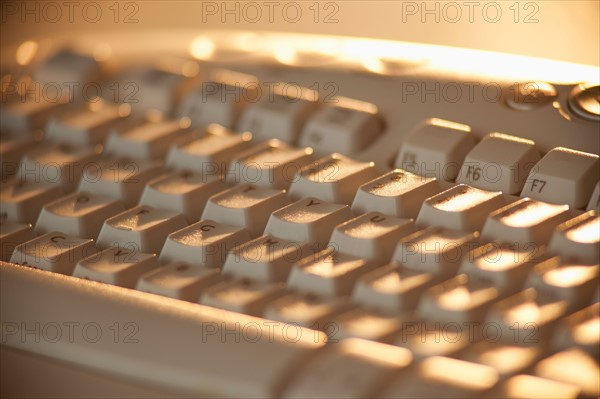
point(328, 273)
point(219, 100)
point(144, 227)
point(90, 126)
point(30, 113)
point(524, 386)
point(457, 300)
point(57, 164)
point(578, 238)
point(159, 88)
point(308, 221)
point(347, 127)
point(245, 206)
point(121, 178)
point(563, 176)
point(499, 163)
point(266, 259)
point(507, 359)
point(117, 266)
point(525, 221)
point(184, 192)
point(503, 266)
point(12, 148)
point(306, 310)
point(581, 330)
point(149, 141)
point(559, 281)
point(365, 324)
point(11, 235)
point(55, 252)
point(272, 164)
point(178, 280)
point(594, 203)
point(391, 289)
point(243, 296)
point(334, 178)
point(373, 236)
point(460, 208)
point(397, 193)
point(79, 214)
point(22, 200)
point(280, 113)
point(575, 367)
point(435, 250)
point(436, 148)
point(67, 66)
point(426, 339)
point(209, 154)
point(439, 376)
point(352, 369)
point(205, 243)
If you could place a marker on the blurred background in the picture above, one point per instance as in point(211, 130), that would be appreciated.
point(567, 30)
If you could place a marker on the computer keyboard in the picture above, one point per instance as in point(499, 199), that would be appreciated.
point(234, 214)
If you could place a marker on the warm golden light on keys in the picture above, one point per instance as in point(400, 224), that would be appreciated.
point(578, 238)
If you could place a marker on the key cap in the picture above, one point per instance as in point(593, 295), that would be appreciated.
point(30, 113)
point(426, 339)
point(280, 114)
point(578, 238)
point(306, 310)
point(346, 127)
point(308, 221)
point(55, 252)
point(245, 206)
point(11, 235)
point(373, 236)
point(272, 164)
point(563, 176)
point(507, 359)
point(159, 88)
point(266, 259)
point(22, 200)
point(499, 163)
point(524, 320)
point(149, 141)
point(142, 226)
point(457, 300)
point(435, 250)
point(79, 214)
point(524, 386)
point(391, 289)
point(12, 148)
point(354, 368)
point(209, 154)
point(219, 100)
point(67, 66)
point(503, 266)
point(178, 280)
point(594, 203)
point(184, 192)
point(436, 148)
point(328, 273)
point(205, 243)
point(365, 324)
point(525, 221)
point(117, 266)
point(461, 208)
point(90, 126)
point(121, 178)
point(580, 330)
point(559, 281)
point(440, 376)
point(243, 296)
point(572, 366)
point(397, 193)
point(57, 164)
point(334, 178)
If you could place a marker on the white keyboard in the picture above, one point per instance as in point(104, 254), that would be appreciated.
point(233, 214)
